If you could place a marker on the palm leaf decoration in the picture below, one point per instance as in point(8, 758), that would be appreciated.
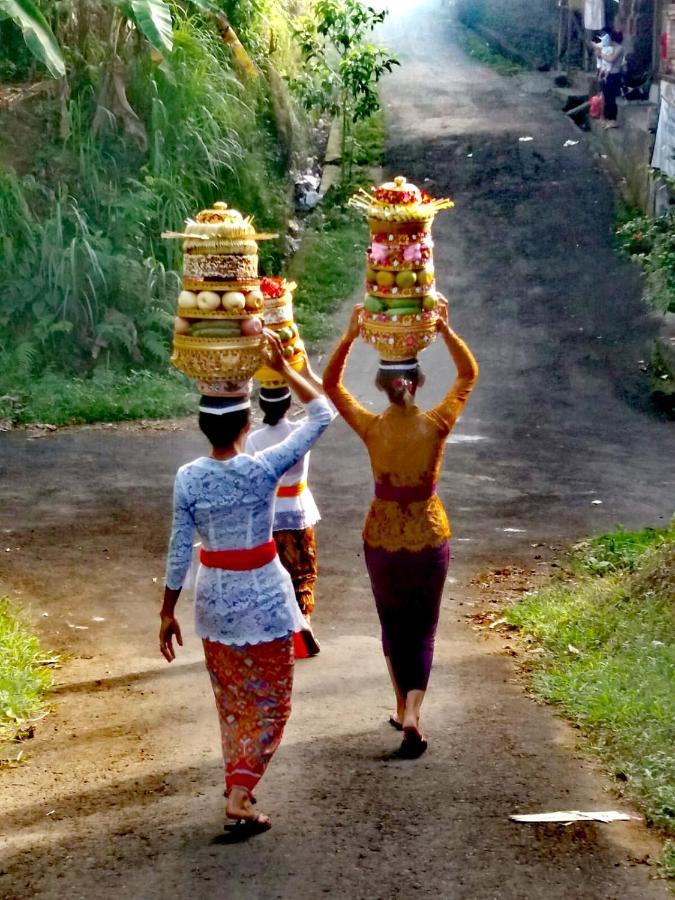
point(36, 33)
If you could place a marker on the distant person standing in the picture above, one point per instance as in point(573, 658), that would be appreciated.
point(611, 55)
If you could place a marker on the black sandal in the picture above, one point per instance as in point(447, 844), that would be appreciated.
point(413, 744)
point(243, 829)
point(398, 726)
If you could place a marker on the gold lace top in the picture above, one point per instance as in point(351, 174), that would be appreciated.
point(405, 445)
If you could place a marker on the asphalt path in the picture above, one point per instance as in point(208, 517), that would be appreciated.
point(121, 797)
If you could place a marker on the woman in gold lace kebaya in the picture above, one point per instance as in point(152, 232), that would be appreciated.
point(406, 534)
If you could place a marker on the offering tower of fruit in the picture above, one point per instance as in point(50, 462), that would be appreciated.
point(278, 316)
point(400, 314)
point(218, 329)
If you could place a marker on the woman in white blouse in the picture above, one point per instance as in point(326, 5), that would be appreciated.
point(245, 607)
point(296, 512)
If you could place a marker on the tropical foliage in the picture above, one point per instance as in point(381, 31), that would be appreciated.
point(341, 67)
point(651, 243)
point(156, 116)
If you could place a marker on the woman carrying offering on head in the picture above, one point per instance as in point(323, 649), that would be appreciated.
point(406, 534)
point(295, 512)
point(245, 607)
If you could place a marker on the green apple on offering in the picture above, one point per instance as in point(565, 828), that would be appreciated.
point(285, 334)
point(208, 300)
point(425, 277)
point(430, 302)
point(187, 300)
point(385, 279)
point(371, 274)
point(406, 279)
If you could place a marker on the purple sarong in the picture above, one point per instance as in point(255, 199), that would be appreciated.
point(408, 588)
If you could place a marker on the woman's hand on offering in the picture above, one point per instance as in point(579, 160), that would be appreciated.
point(354, 326)
point(274, 350)
point(168, 629)
point(442, 319)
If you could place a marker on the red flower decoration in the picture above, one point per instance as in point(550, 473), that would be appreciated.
point(395, 198)
point(272, 287)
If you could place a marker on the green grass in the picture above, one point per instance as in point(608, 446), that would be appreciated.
point(24, 680)
point(619, 551)
point(328, 268)
point(609, 658)
point(482, 51)
point(108, 397)
point(369, 138)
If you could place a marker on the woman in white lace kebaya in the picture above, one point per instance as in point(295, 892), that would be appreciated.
point(245, 607)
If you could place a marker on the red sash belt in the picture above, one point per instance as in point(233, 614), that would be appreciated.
point(404, 494)
point(239, 560)
point(291, 490)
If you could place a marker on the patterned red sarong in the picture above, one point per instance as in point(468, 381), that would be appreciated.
point(297, 554)
point(252, 686)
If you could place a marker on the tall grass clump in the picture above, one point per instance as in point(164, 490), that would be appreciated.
point(24, 680)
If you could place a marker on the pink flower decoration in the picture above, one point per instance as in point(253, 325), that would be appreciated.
point(379, 253)
point(413, 253)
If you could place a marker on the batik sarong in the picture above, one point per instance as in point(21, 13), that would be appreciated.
point(252, 686)
point(408, 588)
point(297, 552)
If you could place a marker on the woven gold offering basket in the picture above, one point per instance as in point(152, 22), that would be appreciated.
point(401, 302)
point(270, 378)
point(399, 337)
point(218, 359)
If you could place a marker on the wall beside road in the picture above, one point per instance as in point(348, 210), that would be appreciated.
point(527, 26)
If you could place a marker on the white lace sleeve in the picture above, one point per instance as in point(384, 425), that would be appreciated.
point(282, 456)
point(182, 533)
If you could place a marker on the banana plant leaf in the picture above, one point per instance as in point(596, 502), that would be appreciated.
point(153, 20)
point(36, 33)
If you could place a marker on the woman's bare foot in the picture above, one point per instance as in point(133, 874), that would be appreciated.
point(240, 807)
point(410, 720)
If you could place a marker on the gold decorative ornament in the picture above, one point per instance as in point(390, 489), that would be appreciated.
point(401, 338)
point(217, 359)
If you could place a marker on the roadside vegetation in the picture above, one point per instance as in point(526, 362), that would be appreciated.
point(478, 48)
point(24, 679)
point(329, 265)
point(512, 24)
point(605, 641)
point(650, 242)
point(138, 135)
point(154, 112)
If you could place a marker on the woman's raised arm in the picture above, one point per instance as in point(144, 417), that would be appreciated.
point(448, 410)
point(355, 415)
point(280, 457)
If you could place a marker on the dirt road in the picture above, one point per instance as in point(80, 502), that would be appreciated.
point(121, 796)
